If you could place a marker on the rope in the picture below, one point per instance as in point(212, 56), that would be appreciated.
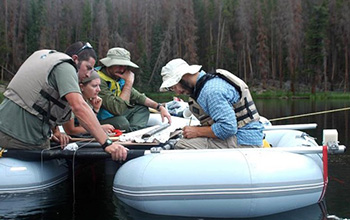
point(42, 161)
point(309, 114)
point(73, 173)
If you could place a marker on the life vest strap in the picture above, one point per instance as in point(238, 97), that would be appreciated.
point(52, 99)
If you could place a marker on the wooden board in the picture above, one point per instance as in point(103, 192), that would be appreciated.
point(125, 143)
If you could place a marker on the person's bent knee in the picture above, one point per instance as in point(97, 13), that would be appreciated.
point(190, 144)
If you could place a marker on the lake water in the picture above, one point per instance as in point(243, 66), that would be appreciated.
point(89, 194)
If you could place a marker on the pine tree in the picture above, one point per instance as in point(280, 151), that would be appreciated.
point(315, 43)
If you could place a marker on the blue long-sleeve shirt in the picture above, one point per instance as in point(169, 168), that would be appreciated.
point(216, 99)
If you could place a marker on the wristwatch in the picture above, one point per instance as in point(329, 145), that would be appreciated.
point(107, 143)
point(158, 106)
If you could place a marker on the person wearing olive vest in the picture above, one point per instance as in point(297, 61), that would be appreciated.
point(122, 105)
point(42, 95)
point(220, 101)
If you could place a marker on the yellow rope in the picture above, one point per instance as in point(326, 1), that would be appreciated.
point(310, 114)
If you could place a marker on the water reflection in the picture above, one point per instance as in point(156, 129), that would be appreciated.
point(338, 190)
point(42, 204)
point(313, 212)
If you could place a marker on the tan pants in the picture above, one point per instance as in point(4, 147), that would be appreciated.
point(9, 142)
point(209, 143)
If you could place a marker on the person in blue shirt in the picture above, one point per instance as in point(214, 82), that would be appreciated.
point(220, 101)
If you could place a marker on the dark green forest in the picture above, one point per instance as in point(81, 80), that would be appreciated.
point(291, 45)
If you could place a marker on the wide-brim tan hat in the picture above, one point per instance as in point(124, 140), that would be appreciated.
point(118, 56)
point(173, 71)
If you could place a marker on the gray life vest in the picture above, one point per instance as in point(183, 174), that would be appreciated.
point(30, 89)
point(245, 109)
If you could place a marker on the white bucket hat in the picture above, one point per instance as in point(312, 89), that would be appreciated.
point(118, 56)
point(173, 71)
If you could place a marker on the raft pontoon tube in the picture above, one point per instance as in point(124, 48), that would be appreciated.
point(225, 183)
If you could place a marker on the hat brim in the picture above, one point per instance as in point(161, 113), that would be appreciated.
point(178, 75)
point(114, 62)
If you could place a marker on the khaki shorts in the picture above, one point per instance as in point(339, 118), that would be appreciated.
point(209, 143)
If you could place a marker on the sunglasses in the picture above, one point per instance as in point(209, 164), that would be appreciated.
point(86, 46)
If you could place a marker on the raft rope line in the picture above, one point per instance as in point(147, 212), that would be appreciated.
point(73, 165)
point(310, 114)
point(42, 160)
point(73, 168)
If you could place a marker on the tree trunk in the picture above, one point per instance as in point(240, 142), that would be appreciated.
point(249, 63)
point(280, 65)
point(346, 77)
point(325, 69)
point(244, 64)
point(334, 64)
point(218, 45)
point(273, 58)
